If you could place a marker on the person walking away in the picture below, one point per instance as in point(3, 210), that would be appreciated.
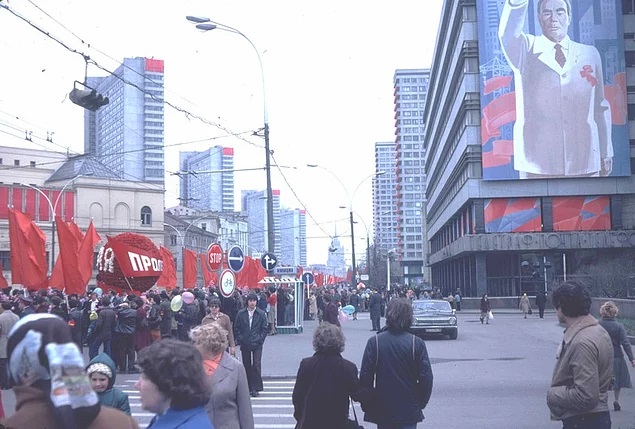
point(541, 301)
point(187, 316)
point(250, 333)
point(331, 311)
point(524, 305)
point(124, 338)
point(354, 301)
point(106, 322)
point(312, 306)
point(485, 309)
point(173, 385)
point(215, 316)
point(154, 317)
point(457, 300)
point(396, 376)
point(7, 320)
point(621, 376)
point(102, 373)
point(166, 316)
point(229, 406)
point(583, 374)
point(324, 382)
point(374, 305)
point(46, 358)
point(76, 322)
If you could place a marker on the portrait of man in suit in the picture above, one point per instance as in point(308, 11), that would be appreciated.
point(563, 120)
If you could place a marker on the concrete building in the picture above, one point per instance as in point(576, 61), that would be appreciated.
point(336, 261)
point(80, 189)
point(210, 184)
point(254, 206)
point(385, 198)
point(411, 90)
point(477, 242)
point(292, 237)
point(126, 135)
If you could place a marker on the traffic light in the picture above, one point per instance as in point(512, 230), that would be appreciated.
point(88, 98)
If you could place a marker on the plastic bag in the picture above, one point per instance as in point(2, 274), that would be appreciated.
point(490, 315)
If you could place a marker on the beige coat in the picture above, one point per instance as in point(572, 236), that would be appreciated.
point(584, 371)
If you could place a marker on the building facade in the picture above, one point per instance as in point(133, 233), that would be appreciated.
point(78, 189)
point(506, 237)
point(336, 261)
point(385, 198)
point(127, 134)
point(293, 237)
point(254, 206)
point(209, 181)
point(410, 92)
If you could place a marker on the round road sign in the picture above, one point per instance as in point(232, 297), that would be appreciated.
point(227, 283)
point(214, 256)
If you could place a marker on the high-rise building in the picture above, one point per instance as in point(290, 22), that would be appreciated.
point(336, 262)
point(385, 191)
point(292, 237)
point(213, 187)
point(495, 227)
point(254, 205)
point(411, 90)
point(126, 135)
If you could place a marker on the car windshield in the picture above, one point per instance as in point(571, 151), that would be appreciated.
point(431, 306)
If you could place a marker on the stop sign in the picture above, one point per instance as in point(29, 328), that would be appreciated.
point(214, 256)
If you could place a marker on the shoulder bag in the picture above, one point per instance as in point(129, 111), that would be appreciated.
point(350, 423)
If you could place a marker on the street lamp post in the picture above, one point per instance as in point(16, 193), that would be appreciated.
point(207, 24)
point(350, 212)
point(53, 209)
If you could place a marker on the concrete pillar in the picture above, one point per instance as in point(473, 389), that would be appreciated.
point(481, 273)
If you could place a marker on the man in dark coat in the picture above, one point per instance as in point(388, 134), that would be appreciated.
point(250, 332)
point(374, 305)
point(124, 337)
point(166, 316)
point(396, 363)
point(331, 311)
point(541, 300)
point(104, 328)
point(354, 301)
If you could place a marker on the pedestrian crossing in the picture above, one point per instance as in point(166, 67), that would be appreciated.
point(272, 409)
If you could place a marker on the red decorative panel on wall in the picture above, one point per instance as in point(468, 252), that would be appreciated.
point(16, 200)
point(30, 202)
point(4, 203)
point(69, 206)
point(581, 213)
point(513, 215)
point(44, 208)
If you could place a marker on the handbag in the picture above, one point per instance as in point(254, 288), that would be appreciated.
point(350, 423)
point(530, 312)
point(490, 315)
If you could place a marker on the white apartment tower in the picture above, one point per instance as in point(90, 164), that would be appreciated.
point(254, 205)
point(385, 198)
point(293, 237)
point(410, 92)
point(210, 184)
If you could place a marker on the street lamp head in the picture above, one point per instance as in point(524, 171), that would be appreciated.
point(379, 173)
point(206, 27)
point(197, 19)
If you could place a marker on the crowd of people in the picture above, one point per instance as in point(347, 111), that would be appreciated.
point(184, 345)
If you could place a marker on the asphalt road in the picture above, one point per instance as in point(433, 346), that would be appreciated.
point(492, 377)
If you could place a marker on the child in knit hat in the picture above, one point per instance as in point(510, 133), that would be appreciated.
point(102, 373)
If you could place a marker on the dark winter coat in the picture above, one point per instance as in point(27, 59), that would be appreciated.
point(105, 324)
point(541, 300)
point(254, 337)
point(323, 385)
point(401, 375)
point(374, 305)
point(126, 320)
point(331, 314)
point(166, 318)
point(76, 322)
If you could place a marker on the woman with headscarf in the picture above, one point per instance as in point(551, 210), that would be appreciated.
point(621, 376)
point(524, 305)
point(230, 404)
point(173, 385)
point(51, 387)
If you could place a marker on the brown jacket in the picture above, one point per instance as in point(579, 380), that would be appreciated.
point(224, 322)
point(33, 410)
point(583, 374)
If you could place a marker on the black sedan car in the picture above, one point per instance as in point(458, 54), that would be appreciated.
point(434, 317)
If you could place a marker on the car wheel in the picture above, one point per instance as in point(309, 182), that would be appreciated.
point(454, 335)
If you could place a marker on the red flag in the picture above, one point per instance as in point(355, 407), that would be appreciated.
point(28, 252)
point(168, 276)
point(3, 281)
point(86, 253)
point(207, 274)
point(69, 248)
point(57, 276)
point(189, 269)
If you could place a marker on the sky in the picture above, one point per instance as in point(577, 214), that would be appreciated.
point(328, 72)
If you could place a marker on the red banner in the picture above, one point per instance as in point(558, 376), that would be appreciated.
point(135, 262)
